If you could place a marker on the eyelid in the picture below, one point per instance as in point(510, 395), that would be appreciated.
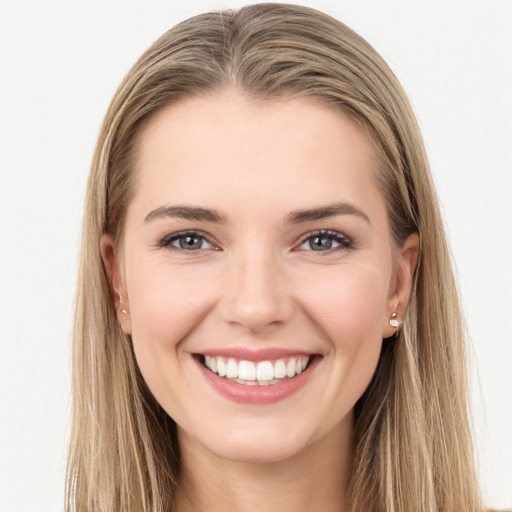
point(166, 241)
point(346, 242)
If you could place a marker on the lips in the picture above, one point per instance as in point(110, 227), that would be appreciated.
point(256, 377)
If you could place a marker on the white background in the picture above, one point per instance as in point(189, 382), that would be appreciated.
point(60, 63)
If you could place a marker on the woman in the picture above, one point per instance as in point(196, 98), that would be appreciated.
point(266, 312)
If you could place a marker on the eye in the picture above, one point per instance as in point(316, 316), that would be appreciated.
point(325, 241)
point(186, 241)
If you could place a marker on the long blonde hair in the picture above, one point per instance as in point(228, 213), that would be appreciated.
point(412, 435)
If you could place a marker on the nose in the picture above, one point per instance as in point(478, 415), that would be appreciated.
point(257, 295)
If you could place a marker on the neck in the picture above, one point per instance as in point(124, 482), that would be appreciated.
point(314, 479)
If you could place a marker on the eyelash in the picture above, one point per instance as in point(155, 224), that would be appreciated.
point(167, 241)
point(344, 242)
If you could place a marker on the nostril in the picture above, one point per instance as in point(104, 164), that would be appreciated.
point(255, 294)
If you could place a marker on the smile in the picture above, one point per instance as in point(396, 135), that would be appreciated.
point(257, 376)
point(262, 373)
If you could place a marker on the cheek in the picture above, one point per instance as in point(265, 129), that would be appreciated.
point(166, 304)
point(348, 309)
point(165, 307)
point(348, 305)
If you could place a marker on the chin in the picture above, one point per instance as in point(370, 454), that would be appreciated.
point(259, 451)
point(261, 442)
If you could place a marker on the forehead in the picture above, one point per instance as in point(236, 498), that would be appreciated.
point(226, 147)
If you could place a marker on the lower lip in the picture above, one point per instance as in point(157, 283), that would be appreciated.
point(248, 394)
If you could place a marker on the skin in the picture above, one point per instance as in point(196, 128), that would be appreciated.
point(257, 282)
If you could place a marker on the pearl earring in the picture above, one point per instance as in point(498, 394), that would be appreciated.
point(393, 321)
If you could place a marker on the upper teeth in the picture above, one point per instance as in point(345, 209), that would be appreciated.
point(261, 372)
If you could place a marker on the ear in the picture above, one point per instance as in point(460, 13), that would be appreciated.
point(403, 281)
point(113, 266)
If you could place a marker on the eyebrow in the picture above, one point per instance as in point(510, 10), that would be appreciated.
point(186, 212)
point(324, 212)
point(295, 217)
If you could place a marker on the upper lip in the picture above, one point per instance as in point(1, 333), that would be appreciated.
point(250, 354)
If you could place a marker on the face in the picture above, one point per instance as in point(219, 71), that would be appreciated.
point(258, 272)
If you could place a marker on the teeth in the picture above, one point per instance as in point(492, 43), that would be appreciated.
point(232, 369)
point(262, 374)
point(291, 366)
point(264, 371)
point(221, 367)
point(280, 369)
point(247, 370)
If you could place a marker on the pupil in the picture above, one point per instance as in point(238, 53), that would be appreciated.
point(321, 242)
point(190, 242)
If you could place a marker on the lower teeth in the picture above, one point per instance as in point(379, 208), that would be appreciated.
point(257, 382)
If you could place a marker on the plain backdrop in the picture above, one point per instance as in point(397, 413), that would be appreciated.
point(60, 63)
